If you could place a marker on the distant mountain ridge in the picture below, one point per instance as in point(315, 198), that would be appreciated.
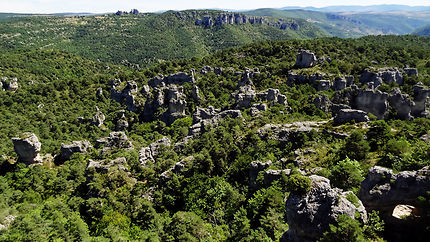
point(358, 8)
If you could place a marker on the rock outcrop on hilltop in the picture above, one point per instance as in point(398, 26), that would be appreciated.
point(305, 59)
point(309, 216)
point(349, 115)
point(375, 77)
point(27, 147)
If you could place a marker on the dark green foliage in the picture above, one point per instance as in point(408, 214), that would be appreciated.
point(347, 230)
point(378, 134)
point(346, 174)
point(298, 184)
point(356, 147)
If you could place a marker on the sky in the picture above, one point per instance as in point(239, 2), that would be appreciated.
point(106, 6)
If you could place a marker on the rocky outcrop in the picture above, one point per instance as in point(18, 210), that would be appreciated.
point(324, 85)
point(323, 103)
point(348, 115)
point(176, 169)
point(147, 154)
point(27, 147)
point(411, 71)
point(372, 101)
point(377, 76)
point(294, 78)
point(288, 132)
point(228, 18)
point(116, 140)
point(195, 93)
point(176, 104)
point(422, 101)
point(383, 189)
point(67, 150)
point(120, 163)
point(401, 103)
point(178, 79)
point(204, 118)
point(98, 118)
point(309, 216)
point(340, 84)
point(256, 167)
point(244, 96)
point(273, 175)
point(257, 108)
point(305, 59)
point(127, 95)
point(11, 85)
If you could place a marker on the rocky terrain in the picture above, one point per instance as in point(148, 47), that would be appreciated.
point(286, 141)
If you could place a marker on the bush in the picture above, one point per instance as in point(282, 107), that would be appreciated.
point(346, 174)
point(298, 184)
point(347, 230)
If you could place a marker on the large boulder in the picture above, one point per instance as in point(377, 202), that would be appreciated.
point(377, 76)
point(27, 147)
point(309, 216)
point(339, 84)
point(204, 118)
point(324, 85)
point(348, 115)
point(67, 150)
point(372, 101)
point(422, 101)
point(323, 103)
point(401, 103)
point(305, 59)
point(98, 118)
point(256, 167)
point(116, 140)
point(176, 104)
point(383, 189)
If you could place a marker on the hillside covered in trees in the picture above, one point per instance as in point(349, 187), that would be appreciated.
point(145, 38)
point(244, 144)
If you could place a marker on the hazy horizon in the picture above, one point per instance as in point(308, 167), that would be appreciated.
point(108, 6)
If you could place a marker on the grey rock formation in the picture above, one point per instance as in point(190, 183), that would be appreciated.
point(273, 175)
point(324, 85)
point(98, 118)
point(323, 103)
point(120, 163)
point(116, 140)
point(27, 147)
point(67, 150)
point(195, 93)
point(176, 104)
point(411, 71)
point(288, 132)
point(145, 155)
point(309, 216)
point(257, 108)
point(372, 101)
point(176, 169)
point(159, 144)
point(422, 101)
point(179, 79)
point(244, 97)
point(127, 95)
point(401, 103)
point(383, 189)
point(99, 92)
point(256, 167)
point(12, 85)
point(348, 115)
point(294, 78)
point(305, 59)
point(376, 76)
point(205, 118)
point(339, 84)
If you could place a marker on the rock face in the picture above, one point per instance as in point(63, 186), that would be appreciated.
point(67, 150)
point(148, 153)
point(256, 167)
point(323, 103)
point(176, 104)
point(372, 101)
point(305, 59)
point(27, 147)
point(228, 18)
point(383, 190)
point(116, 140)
point(178, 79)
point(401, 103)
point(422, 101)
point(98, 118)
point(377, 76)
point(210, 117)
point(324, 85)
point(120, 163)
point(287, 132)
point(348, 115)
point(411, 71)
point(309, 216)
point(340, 84)
point(127, 95)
